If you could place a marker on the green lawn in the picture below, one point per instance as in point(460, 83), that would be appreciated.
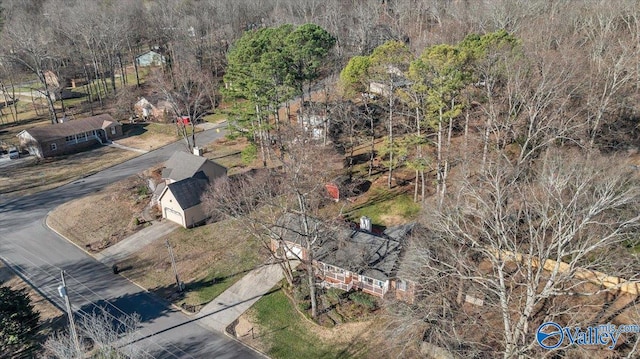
point(386, 207)
point(209, 260)
point(288, 334)
point(217, 117)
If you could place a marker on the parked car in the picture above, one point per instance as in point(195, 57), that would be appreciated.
point(13, 153)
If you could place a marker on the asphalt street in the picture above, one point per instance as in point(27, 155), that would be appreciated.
point(38, 255)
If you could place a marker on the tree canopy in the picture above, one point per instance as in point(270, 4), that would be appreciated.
point(18, 321)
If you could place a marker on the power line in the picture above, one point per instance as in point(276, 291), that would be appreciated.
point(78, 294)
point(72, 325)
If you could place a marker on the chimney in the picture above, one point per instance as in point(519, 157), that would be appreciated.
point(365, 223)
point(197, 151)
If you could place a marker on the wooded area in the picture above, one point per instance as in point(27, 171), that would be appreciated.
point(516, 120)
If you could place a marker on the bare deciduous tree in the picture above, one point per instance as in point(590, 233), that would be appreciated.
point(109, 337)
point(264, 200)
point(520, 242)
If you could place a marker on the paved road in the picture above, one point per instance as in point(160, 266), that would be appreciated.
point(38, 254)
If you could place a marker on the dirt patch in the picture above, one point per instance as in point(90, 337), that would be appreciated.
point(249, 333)
point(392, 220)
point(103, 219)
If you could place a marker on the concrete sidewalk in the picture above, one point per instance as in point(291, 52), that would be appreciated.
point(126, 148)
point(135, 242)
point(230, 305)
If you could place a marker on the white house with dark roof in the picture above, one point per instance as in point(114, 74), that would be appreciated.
point(187, 178)
point(183, 165)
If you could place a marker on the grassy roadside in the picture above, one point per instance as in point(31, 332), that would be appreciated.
point(209, 259)
point(148, 136)
point(104, 218)
point(31, 176)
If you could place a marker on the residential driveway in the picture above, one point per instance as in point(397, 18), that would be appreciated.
point(135, 242)
point(5, 161)
point(230, 305)
point(38, 255)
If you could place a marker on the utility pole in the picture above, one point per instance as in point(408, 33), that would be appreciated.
point(72, 325)
point(173, 264)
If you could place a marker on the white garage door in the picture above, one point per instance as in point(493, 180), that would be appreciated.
point(294, 252)
point(173, 215)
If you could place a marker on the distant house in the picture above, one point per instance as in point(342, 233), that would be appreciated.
point(69, 137)
point(347, 258)
point(146, 110)
point(52, 79)
point(314, 121)
point(150, 58)
point(69, 77)
point(187, 177)
point(397, 80)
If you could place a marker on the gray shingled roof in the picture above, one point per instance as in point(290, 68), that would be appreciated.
point(70, 128)
point(183, 165)
point(350, 249)
point(188, 191)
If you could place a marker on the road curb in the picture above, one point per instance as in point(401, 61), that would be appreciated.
point(257, 351)
point(152, 295)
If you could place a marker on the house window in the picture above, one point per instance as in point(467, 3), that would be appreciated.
point(113, 130)
point(53, 147)
point(367, 280)
point(379, 284)
point(333, 269)
point(401, 285)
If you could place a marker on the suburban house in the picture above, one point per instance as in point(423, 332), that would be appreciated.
point(396, 80)
point(146, 110)
point(69, 77)
point(70, 136)
point(314, 121)
point(348, 258)
point(150, 58)
point(186, 178)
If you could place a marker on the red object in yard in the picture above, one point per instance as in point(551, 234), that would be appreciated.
point(184, 120)
point(334, 191)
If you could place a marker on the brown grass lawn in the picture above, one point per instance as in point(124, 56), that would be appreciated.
point(102, 219)
point(35, 176)
point(209, 259)
point(148, 136)
point(229, 154)
point(9, 131)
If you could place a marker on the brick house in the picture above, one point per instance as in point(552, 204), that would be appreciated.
point(69, 137)
point(348, 258)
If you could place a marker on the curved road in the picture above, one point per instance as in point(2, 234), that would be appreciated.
point(38, 255)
